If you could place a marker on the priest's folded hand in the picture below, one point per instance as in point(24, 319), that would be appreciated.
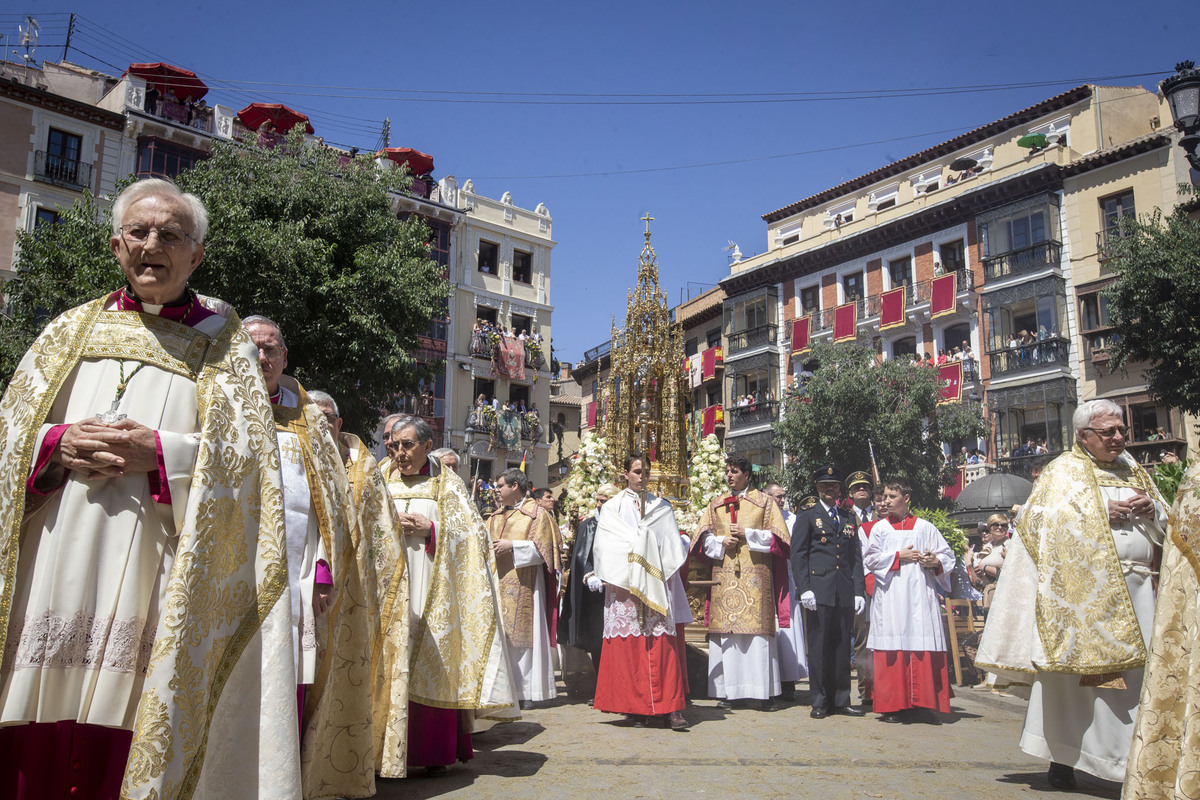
point(809, 600)
point(106, 451)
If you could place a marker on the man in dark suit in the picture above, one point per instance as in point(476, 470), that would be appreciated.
point(827, 566)
point(581, 622)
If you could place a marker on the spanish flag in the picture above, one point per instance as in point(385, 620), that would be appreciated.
point(524, 455)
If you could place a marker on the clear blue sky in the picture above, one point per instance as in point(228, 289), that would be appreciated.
point(601, 166)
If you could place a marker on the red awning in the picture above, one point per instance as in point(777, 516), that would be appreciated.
point(283, 118)
point(183, 82)
point(418, 163)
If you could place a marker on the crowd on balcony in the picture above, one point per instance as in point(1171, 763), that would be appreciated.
point(962, 353)
point(193, 113)
point(1026, 348)
point(419, 404)
point(486, 336)
point(483, 415)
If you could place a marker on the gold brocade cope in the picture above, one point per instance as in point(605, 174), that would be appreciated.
point(742, 600)
point(1164, 761)
point(389, 657)
point(337, 756)
point(458, 659)
point(222, 620)
point(1066, 574)
point(528, 522)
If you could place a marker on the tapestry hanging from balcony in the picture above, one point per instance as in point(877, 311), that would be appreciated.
point(943, 296)
point(801, 329)
point(712, 357)
point(695, 369)
point(510, 358)
point(508, 429)
point(845, 322)
point(891, 308)
point(950, 378)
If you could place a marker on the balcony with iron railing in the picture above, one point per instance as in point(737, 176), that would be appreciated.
point(1053, 351)
point(1022, 261)
point(486, 420)
point(750, 415)
point(749, 339)
point(1107, 238)
point(61, 171)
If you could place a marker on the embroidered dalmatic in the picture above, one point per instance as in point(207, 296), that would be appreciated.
point(529, 593)
point(457, 658)
point(388, 604)
point(336, 747)
point(1073, 609)
point(1164, 761)
point(749, 599)
point(169, 620)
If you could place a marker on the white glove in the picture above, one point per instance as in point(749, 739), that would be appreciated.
point(809, 600)
point(593, 583)
point(859, 605)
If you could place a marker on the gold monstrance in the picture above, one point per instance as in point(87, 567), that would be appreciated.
point(645, 384)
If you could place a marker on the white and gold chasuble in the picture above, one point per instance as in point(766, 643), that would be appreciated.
point(389, 606)
point(336, 745)
point(458, 658)
point(1164, 761)
point(115, 610)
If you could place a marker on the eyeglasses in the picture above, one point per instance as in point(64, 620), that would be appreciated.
point(271, 351)
point(167, 237)
point(1108, 433)
point(999, 525)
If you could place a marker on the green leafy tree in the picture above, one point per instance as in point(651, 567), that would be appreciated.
point(1154, 304)
point(295, 234)
point(851, 401)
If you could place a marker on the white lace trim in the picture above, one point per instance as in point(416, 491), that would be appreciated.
point(621, 618)
point(83, 640)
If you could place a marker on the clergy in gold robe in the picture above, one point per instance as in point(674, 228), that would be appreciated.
point(744, 533)
point(459, 672)
point(1164, 761)
point(331, 573)
point(143, 593)
point(1073, 608)
point(525, 538)
point(388, 598)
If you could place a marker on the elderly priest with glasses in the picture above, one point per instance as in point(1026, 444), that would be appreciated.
point(1070, 622)
point(144, 603)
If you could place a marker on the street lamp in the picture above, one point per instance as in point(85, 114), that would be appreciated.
point(1182, 91)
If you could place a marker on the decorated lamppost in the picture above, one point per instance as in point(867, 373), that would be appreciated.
point(1182, 91)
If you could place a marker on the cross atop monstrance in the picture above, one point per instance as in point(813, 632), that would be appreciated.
point(645, 385)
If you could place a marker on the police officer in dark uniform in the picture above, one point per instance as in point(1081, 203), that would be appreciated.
point(827, 566)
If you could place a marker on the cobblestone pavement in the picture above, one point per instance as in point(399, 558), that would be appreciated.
point(565, 749)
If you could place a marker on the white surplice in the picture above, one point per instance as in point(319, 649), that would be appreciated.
point(534, 666)
point(103, 549)
point(793, 657)
point(1090, 728)
point(906, 610)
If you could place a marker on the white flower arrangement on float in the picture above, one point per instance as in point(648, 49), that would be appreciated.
point(590, 469)
point(706, 481)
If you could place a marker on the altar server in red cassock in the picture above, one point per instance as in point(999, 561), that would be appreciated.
point(909, 559)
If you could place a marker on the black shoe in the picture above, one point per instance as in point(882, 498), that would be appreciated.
point(788, 692)
point(889, 718)
point(850, 711)
point(818, 713)
point(527, 705)
point(726, 704)
point(436, 769)
point(678, 722)
point(639, 721)
point(1061, 776)
point(768, 705)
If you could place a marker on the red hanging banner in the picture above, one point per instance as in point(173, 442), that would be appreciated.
point(845, 322)
point(591, 415)
point(709, 425)
point(801, 329)
point(710, 362)
point(950, 378)
point(891, 308)
point(943, 296)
